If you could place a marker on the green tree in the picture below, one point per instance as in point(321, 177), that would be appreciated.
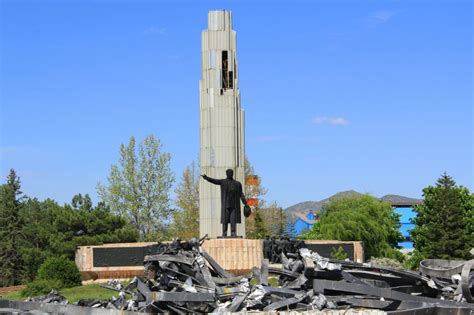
point(38, 230)
point(360, 218)
point(186, 218)
point(53, 230)
point(444, 223)
point(260, 229)
point(281, 227)
point(11, 202)
point(139, 187)
point(80, 226)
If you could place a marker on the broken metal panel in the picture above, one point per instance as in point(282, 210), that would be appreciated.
point(182, 297)
point(264, 272)
point(169, 258)
point(467, 281)
point(321, 286)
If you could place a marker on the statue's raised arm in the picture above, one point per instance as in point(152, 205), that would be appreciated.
point(212, 180)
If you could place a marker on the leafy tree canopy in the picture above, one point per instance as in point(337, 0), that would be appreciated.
point(360, 218)
point(139, 187)
point(186, 219)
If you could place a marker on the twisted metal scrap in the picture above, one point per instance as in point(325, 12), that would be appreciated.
point(183, 278)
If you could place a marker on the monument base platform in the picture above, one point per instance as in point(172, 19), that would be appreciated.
point(237, 255)
point(125, 260)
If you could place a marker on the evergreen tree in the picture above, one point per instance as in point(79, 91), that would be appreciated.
point(282, 225)
point(444, 221)
point(186, 218)
point(38, 229)
point(11, 202)
point(54, 230)
point(85, 225)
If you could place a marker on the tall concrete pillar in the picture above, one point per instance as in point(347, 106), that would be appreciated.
point(221, 121)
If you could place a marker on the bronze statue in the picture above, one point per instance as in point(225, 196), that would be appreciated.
point(231, 192)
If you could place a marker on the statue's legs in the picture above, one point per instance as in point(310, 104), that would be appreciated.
point(230, 218)
point(224, 230)
point(233, 223)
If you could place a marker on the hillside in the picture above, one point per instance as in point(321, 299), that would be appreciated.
point(318, 205)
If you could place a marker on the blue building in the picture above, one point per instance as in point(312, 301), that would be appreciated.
point(406, 213)
point(404, 207)
point(304, 221)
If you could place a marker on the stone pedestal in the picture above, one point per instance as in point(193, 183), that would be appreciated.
point(235, 254)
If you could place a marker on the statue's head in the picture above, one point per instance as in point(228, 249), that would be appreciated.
point(229, 173)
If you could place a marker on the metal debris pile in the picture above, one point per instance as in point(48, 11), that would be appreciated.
point(52, 297)
point(184, 278)
point(273, 248)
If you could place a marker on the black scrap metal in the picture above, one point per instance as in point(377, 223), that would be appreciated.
point(183, 278)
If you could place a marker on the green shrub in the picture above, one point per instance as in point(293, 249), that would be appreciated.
point(338, 253)
point(61, 269)
point(41, 287)
point(386, 262)
point(413, 260)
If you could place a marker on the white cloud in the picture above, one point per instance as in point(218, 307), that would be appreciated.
point(330, 120)
point(381, 16)
point(156, 30)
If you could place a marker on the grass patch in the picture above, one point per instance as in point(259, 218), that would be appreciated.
point(91, 291)
point(95, 292)
point(15, 295)
point(272, 281)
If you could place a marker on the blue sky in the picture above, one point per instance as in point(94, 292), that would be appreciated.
point(374, 96)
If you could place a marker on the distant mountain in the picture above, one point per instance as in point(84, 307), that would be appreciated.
point(304, 207)
point(397, 200)
point(317, 205)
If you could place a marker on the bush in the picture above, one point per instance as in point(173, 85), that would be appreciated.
point(386, 262)
point(413, 260)
point(61, 269)
point(338, 253)
point(41, 287)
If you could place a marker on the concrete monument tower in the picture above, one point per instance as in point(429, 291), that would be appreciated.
point(221, 119)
